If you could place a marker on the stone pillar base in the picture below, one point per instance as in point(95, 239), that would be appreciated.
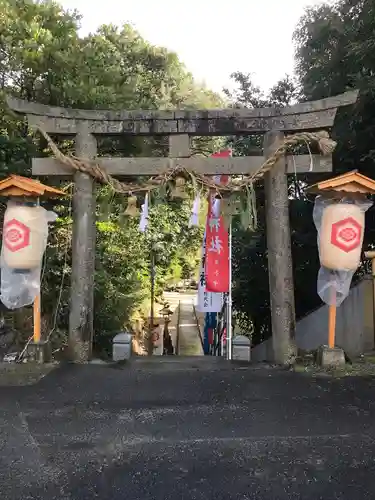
point(330, 357)
point(39, 352)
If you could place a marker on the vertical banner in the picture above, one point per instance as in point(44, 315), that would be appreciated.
point(212, 300)
point(217, 244)
point(206, 340)
point(207, 301)
point(209, 327)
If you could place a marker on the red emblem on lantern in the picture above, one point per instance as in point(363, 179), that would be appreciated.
point(16, 235)
point(346, 234)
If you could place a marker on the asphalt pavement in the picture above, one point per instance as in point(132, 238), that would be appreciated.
point(189, 428)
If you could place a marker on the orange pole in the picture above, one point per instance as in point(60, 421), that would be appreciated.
point(37, 319)
point(332, 319)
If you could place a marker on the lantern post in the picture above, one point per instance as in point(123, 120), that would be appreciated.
point(37, 317)
point(25, 232)
point(339, 216)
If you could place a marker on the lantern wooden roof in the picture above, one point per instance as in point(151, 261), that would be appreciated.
point(352, 182)
point(16, 185)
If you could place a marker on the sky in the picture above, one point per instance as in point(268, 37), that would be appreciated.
point(212, 38)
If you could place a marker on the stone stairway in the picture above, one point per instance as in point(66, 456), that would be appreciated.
point(189, 341)
point(183, 327)
point(173, 299)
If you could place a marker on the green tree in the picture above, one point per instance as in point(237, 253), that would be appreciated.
point(334, 52)
point(250, 266)
point(44, 59)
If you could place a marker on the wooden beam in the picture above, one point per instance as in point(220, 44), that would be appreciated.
point(32, 108)
point(209, 166)
point(218, 126)
point(280, 269)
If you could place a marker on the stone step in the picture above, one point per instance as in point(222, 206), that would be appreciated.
point(189, 343)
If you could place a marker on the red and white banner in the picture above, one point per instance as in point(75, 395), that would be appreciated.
point(208, 302)
point(217, 244)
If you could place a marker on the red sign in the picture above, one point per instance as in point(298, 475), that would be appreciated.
point(16, 235)
point(223, 154)
point(346, 234)
point(217, 246)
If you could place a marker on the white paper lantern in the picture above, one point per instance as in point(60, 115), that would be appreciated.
point(25, 233)
point(341, 236)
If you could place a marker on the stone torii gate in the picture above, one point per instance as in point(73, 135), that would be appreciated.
point(86, 125)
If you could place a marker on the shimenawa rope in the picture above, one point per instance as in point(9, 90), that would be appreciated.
point(325, 144)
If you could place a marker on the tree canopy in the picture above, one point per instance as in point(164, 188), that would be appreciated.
point(334, 46)
point(44, 59)
point(334, 53)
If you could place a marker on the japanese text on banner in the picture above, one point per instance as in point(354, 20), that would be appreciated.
point(217, 259)
point(207, 301)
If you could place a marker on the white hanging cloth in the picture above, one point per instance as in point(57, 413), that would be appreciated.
point(194, 218)
point(144, 216)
